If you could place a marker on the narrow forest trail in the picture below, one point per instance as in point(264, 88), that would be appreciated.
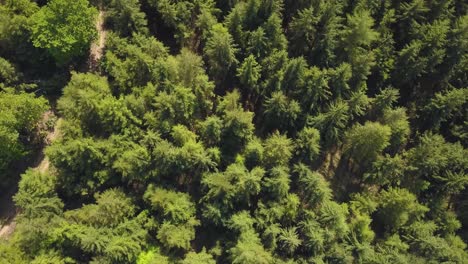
point(44, 164)
point(97, 47)
point(41, 163)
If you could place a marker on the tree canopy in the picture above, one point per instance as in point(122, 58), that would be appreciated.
point(228, 131)
point(64, 28)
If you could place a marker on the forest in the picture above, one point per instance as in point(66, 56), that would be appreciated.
point(233, 131)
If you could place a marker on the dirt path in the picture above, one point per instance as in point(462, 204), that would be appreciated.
point(97, 47)
point(42, 165)
point(51, 136)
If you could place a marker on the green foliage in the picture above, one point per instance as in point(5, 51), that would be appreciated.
point(174, 206)
point(294, 74)
point(273, 71)
point(191, 74)
point(152, 256)
point(198, 258)
point(358, 104)
point(211, 130)
point(238, 126)
point(308, 144)
point(134, 63)
point(80, 160)
point(385, 99)
point(41, 212)
point(220, 52)
point(397, 208)
point(177, 236)
point(249, 250)
point(64, 29)
point(314, 32)
point(241, 222)
point(14, 19)
point(187, 18)
point(108, 229)
point(8, 74)
point(236, 184)
point(280, 112)
point(424, 52)
point(15, 35)
point(387, 170)
point(356, 38)
point(446, 109)
point(177, 214)
point(314, 187)
point(11, 254)
point(12, 149)
point(253, 153)
point(256, 27)
point(334, 215)
point(365, 142)
point(249, 74)
point(278, 181)
point(19, 115)
point(36, 196)
point(25, 110)
point(82, 97)
point(303, 30)
point(442, 164)
point(126, 17)
point(331, 123)
point(111, 207)
point(289, 240)
point(278, 150)
point(88, 99)
point(170, 108)
point(397, 120)
point(256, 131)
point(359, 30)
point(51, 258)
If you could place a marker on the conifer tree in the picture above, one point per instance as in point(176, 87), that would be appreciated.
point(220, 52)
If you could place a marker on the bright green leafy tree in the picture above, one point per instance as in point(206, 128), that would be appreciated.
point(64, 28)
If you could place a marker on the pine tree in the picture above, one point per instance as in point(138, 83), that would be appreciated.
point(126, 17)
point(365, 142)
point(249, 75)
point(281, 112)
point(220, 52)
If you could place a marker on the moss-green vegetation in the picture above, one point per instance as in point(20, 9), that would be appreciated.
point(245, 132)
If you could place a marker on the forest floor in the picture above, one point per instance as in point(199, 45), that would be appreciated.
point(97, 47)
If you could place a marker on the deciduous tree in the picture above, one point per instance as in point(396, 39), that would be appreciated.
point(64, 28)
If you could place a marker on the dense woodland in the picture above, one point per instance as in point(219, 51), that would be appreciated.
point(236, 131)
